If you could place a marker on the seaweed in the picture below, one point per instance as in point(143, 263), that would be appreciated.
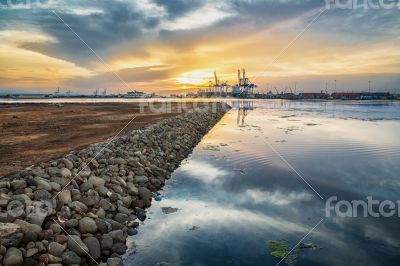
point(281, 251)
point(211, 147)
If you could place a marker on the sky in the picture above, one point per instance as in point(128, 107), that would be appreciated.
point(174, 46)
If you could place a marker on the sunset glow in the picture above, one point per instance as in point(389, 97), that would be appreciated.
point(164, 49)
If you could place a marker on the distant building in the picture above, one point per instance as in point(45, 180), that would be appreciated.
point(346, 95)
point(314, 95)
point(137, 94)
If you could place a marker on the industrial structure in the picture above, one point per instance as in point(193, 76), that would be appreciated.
point(243, 89)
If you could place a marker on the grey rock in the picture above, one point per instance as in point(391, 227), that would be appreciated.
point(145, 193)
point(55, 186)
point(103, 191)
point(101, 213)
point(76, 245)
point(56, 228)
point(56, 249)
point(121, 218)
point(28, 227)
point(78, 206)
point(87, 225)
point(119, 161)
point(117, 235)
point(4, 184)
point(43, 184)
point(23, 198)
point(94, 247)
point(10, 234)
point(106, 241)
point(37, 217)
point(62, 182)
point(53, 259)
point(68, 164)
point(106, 205)
point(141, 179)
point(132, 189)
point(119, 248)
point(72, 223)
point(91, 199)
point(96, 181)
point(113, 168)
point(54, 171)
point(85, 187)
point(132, 232)
point(41, 194)
point(4, 200)
point(65, 173)
point(114, 262)
point(40, 246)
point(71, 258)
point(117, 189)
point(32, 251)
point(3, 249)
point(85, 173)
point(37, 171)
point(18, 184)
point(124, 210)
point(65, 196)
point(13, 257)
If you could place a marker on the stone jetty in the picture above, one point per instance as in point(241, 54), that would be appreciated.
point(79, 209)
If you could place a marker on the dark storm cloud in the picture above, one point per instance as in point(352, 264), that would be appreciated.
point(120, 22)
point(177, 8)
point(116, 23)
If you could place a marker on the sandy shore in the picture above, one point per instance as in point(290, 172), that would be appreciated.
point(31, 133)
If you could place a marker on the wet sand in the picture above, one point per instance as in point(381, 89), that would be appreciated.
point(31, 133)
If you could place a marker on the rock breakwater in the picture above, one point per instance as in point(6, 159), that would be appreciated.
point(79, 209)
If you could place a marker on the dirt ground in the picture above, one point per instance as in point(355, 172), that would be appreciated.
point(30, 133)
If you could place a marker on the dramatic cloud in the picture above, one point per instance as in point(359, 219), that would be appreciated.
point(155, 45)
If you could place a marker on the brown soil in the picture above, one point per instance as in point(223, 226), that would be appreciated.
point(30, 133)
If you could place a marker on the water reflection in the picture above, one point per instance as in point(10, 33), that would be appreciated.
point(242, 107)
point(233, 199)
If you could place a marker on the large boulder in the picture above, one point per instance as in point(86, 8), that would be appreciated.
point(18, 184)
point(56, 249)
point(94, 247)
point(65, 173)
point(10, 234)
point(96, 181)
point(13, 257)
point(76, 245)
point(65, 196)
point(87, 225)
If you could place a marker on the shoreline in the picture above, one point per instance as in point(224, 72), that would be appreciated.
point(104, 198)
point(32, 133)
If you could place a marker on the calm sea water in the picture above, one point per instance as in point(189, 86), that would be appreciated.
point(239, 189)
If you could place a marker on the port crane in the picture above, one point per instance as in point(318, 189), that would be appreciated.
point(244, 84)
point(57, 92)
point(217, 87)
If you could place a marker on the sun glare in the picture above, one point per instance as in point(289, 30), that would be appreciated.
point(194, 77)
